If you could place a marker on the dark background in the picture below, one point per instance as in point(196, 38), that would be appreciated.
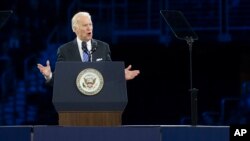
point(137, 35)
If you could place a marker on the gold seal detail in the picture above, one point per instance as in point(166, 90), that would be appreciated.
point(89, 81)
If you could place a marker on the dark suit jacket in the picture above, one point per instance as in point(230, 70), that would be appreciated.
point(69, 52)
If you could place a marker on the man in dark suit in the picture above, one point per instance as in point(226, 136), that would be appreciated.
point(84, 43)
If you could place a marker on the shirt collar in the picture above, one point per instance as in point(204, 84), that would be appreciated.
point(79, 43)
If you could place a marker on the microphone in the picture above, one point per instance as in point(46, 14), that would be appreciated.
point(84, 47)
point(85, 50)
point(92, 51)
point(94, 45)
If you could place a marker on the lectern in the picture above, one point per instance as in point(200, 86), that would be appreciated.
point(90, 94)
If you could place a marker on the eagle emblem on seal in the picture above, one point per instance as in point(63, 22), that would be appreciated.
point(89, 81)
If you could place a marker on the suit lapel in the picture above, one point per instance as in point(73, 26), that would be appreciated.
point(75, 52)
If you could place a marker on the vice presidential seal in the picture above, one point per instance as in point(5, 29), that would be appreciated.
point(89, 81)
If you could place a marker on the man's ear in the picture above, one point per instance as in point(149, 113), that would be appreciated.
point(74, 29)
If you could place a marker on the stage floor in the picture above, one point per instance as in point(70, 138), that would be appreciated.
point(115, 133)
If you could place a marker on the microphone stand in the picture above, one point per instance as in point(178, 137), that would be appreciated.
point(192, 90)
point(90, 56)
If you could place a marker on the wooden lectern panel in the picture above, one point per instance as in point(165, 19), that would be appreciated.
point(90, 118)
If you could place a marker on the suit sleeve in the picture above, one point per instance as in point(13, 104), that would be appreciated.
point(60, 55)
point(108, 53)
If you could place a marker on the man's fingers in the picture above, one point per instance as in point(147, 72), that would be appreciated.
point(39, 66)
point(47, 63)
point(129, 67)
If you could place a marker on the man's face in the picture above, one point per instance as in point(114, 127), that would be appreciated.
point(84, 28)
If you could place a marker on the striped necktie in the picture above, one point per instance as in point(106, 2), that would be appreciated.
point(85, 52)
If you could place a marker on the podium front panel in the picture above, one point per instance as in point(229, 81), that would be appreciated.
point(67, 97)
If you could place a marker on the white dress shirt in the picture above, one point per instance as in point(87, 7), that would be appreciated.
point(79, 43)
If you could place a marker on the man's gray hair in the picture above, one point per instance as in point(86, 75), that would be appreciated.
point(75, 18)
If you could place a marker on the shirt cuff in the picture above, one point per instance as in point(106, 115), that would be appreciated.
point(48, 78)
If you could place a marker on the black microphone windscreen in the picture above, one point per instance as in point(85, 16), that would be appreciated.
point(84, 46)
